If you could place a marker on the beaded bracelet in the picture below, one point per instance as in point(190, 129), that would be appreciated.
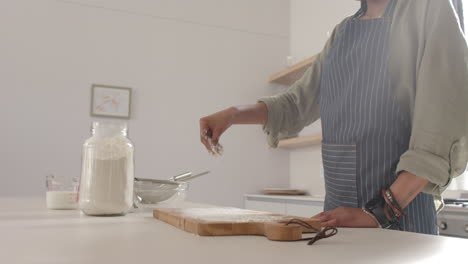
point(391, 202)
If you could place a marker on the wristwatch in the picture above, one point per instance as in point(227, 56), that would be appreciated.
point(376, 208)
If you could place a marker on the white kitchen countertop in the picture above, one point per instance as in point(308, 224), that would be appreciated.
point(29, 233)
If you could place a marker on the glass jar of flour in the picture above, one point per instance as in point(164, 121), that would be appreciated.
point(107, 171)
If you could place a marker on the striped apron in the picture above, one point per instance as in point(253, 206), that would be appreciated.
point(364, 129)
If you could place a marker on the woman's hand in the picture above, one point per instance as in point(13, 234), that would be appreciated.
point(214, 125)
point(346, 217)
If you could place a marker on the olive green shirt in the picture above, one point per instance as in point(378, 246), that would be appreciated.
point(428, 68)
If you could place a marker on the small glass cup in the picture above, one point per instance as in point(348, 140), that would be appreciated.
point(62, 194)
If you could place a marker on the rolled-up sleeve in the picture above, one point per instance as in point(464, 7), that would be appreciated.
point(438, 149)
point(290, 112)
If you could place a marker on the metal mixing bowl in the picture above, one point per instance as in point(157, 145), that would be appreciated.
point(151, 192)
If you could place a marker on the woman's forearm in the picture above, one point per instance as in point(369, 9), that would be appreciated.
point(250, 114)
point(406, 187)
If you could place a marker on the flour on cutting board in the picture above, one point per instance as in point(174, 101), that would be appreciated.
point(229, 215)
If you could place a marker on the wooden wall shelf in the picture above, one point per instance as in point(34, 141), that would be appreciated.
point(293, 73)
point(300, 142)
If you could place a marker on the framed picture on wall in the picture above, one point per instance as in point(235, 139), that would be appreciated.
point(110, 101)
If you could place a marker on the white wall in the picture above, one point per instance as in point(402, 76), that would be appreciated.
point(184, 59)
point(311, 21)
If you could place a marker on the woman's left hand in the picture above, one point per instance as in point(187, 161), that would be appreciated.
point(346, 217)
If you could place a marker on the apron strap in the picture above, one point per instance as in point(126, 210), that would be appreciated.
point(361, 10)
point(388, 9)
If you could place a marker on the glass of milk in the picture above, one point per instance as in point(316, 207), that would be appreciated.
point(61, 194)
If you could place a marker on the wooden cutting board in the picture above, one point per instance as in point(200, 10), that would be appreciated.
point(278, 191)
point(227, 221)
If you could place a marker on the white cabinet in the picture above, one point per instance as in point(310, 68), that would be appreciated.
point(304, 206)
